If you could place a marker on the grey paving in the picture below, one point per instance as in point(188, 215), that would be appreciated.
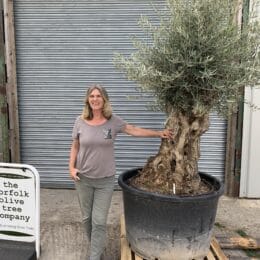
point(62, 235)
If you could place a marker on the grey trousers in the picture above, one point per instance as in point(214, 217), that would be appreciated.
point(95, 198)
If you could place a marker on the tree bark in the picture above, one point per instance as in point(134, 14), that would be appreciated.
point(174, 170)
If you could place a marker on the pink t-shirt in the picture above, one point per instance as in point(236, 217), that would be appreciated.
point(95, 158)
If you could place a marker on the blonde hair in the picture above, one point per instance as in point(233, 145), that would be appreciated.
point(87, 112)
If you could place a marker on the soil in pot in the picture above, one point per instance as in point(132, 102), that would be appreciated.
point(139, 180)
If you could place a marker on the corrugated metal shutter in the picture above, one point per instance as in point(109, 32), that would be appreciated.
point(62, 47)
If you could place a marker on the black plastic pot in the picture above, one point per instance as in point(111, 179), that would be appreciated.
point(169, 227)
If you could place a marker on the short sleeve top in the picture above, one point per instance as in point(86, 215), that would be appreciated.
point(95, 158)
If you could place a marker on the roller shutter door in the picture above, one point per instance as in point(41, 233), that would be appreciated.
point(62, 47)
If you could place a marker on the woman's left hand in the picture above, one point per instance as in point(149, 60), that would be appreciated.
point(167, 133)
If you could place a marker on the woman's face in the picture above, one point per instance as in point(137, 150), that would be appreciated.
point(96, 100)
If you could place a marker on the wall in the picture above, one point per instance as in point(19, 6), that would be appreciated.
point(250, 167)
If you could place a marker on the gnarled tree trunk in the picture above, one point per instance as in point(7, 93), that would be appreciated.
point(175, 168)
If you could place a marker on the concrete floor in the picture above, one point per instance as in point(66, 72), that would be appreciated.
point(62, 236)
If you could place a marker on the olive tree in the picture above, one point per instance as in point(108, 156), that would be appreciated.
point(197, 61)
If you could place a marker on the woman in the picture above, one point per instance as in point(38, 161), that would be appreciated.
point(92, 162)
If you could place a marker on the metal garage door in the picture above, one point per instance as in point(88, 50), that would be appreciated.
point(62, 47)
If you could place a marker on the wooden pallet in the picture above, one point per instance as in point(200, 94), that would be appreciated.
point(215, 252)
point(238, 242)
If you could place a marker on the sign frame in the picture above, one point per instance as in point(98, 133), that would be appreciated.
point(14, 201)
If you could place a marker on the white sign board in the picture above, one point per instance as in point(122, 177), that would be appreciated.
point(19, 203)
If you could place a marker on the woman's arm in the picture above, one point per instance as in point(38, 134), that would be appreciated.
point(73, 155)
point(142, 132)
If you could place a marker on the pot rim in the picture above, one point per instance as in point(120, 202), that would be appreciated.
point(219, 188)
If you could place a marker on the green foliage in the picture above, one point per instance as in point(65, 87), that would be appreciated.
point(253, 253)
point(242, 233)
point(219, 225)
point(197, 59)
